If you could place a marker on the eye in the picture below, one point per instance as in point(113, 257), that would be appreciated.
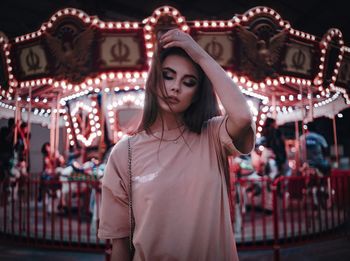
point(190, 82)
point(167, 75)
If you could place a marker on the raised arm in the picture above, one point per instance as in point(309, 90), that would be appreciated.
point(239, 117)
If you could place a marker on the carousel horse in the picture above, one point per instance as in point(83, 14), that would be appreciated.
point(78, 182)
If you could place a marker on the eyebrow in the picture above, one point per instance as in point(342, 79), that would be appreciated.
point(186, 75)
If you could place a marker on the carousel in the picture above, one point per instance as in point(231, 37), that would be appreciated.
point(86, 77)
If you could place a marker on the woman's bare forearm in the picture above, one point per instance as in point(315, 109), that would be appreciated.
point(120, 249)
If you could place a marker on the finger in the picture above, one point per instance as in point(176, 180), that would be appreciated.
point(167, 38)
point(170, 32)
point(172, 44)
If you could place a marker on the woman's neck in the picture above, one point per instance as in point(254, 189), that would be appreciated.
point(167, 121)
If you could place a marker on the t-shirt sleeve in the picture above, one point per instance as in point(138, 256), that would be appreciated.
point(114, 209)
point(217, 126)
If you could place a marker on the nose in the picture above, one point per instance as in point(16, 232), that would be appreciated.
point(175, 87)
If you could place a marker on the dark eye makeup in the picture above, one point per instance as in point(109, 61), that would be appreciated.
point(168, 75)
point(188, 80)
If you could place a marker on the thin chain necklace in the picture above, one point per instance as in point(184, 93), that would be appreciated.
point(175, 141)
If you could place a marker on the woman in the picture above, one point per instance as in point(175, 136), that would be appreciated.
point(179, 194)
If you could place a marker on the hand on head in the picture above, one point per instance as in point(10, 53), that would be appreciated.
point(178, 38)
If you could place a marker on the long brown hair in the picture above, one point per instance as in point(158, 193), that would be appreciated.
point(203, 107)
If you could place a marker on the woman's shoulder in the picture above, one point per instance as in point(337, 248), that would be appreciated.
point(213, 121)
point(120, 149)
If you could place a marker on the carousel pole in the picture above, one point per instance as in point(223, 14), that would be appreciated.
point(335, 140)
point(27, 139)
point(16, 119)
point(273, 98)
point(297, 142)
point(52, 131)
point(102, 145)
point(57, 126)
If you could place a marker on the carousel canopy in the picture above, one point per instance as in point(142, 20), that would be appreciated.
point(78, 59)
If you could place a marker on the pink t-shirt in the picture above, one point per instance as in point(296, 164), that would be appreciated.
point(180, 199)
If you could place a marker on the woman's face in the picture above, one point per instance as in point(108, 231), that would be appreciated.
point(180, 82)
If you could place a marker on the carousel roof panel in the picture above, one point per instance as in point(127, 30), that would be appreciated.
point(108, 46)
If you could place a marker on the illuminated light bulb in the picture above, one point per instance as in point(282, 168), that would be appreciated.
point(111, 75)
point(180, 20)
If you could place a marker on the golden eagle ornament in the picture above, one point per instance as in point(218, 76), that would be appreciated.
point(258, 56)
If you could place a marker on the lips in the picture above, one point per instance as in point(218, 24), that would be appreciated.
point(172, 100)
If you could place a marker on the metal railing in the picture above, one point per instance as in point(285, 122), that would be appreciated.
point(268, 214)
